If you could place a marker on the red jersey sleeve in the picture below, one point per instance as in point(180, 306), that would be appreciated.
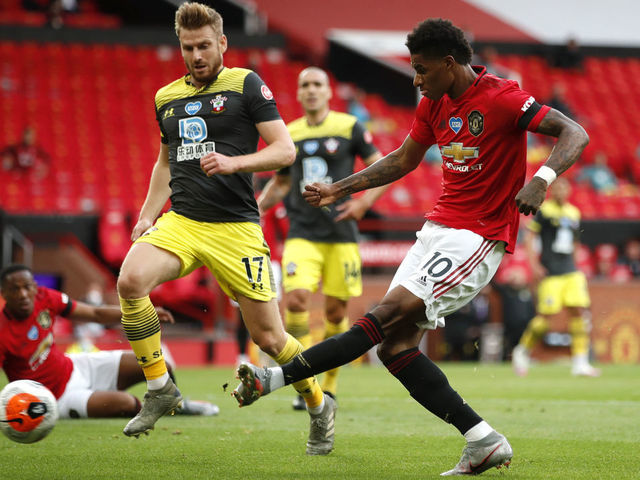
point(2, 354)
point(59, 302)
point(421, 130)
point(520, 106)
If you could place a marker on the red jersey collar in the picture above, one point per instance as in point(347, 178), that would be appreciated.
point(481, 71)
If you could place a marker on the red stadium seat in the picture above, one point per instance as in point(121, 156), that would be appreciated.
point(192, 296)
point(98, 151)
point(114, 237)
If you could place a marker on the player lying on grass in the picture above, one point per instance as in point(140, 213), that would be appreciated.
point(85, 384)
point(479, 121)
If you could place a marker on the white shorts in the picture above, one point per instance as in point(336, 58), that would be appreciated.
point(446, 268)
point(94, 371)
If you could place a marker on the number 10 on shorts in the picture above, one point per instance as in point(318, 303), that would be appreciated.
point(437, 265)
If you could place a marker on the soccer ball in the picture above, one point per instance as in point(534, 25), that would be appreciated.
point(28, 411)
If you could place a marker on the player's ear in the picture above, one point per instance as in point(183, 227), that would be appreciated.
point(449, 62)
point(223, 43)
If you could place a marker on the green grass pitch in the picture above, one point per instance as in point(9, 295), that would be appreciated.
point(560, 428)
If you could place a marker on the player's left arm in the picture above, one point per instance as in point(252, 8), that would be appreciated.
point(108, 314)
point(572, 140)
point(355, 208)
point(280, 152)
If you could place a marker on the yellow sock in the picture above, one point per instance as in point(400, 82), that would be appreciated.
point(330, 379)
point(308, 388)
point(534, 332)
point(579, 330)
point(297, 324)
point(142, 328)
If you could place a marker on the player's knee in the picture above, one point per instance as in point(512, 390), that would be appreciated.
point(131, 285)
point(130, 406)
point(579, 325)
point(334, 313)
point(387, 349)
point(298, 301)
point(539, 325)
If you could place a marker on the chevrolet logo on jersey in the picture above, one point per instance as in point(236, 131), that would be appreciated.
point(458, 152)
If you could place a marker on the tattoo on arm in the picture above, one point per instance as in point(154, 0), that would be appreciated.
point(572, 139)
point(385, 170)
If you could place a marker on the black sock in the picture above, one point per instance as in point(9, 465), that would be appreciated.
point(335, 351)
point(429, 386)
point(242, 337)
point(172, 376)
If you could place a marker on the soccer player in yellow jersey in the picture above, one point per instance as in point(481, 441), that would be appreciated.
point(561, 285)
point(321, 244)
point(210, 121)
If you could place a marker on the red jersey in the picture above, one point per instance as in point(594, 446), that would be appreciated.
point(275, 225)
point(27, 350)
point(482, 139)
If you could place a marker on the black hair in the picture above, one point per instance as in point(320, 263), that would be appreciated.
point(16, 267)
point(436, 37)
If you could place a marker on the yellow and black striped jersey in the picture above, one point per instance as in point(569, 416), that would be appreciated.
point(324, 153)
point(558, 226)
point(218, 117)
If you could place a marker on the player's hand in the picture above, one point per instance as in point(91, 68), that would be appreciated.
point(142, 226)
point(164, 315)
point(352, 209)
point(319, 194)
point(217, 164)
point(531, 196)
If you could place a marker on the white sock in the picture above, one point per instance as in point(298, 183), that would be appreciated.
point(580, 360)
point(318, 409)
point(277, 378)
point(478, 432)
point(158, 383)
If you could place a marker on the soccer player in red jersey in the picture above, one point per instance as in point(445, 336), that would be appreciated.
point(85, 384)
point(479, 121)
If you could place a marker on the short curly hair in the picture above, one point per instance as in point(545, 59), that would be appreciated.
point(16, 267)
point(436, 37)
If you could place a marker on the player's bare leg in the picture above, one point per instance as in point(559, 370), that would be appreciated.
point(296, 321)
point(265, 326)
point(336, 322)
point(429, 386)
point(145, 267)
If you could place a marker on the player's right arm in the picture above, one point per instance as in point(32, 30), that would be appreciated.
point(388, 169)
point(274, 191)
point(108, 314)
point(157, 195)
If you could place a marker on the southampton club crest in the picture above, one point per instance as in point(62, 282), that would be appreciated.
point(291, 269)
point(475, 120)
point(331, 145)
point(218, 103)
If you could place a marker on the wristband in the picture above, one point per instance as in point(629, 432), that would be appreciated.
point(548, 174)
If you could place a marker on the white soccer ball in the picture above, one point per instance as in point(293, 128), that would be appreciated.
point(28, 411)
